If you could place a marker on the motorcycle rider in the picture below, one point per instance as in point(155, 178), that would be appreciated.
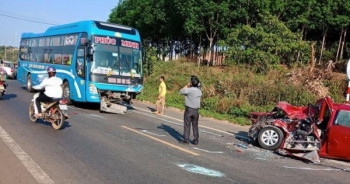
point(53, 89)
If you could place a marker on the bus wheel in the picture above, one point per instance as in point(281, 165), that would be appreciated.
point(66, 92)
point(29, 83)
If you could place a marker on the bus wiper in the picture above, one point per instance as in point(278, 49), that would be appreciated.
point(110, 72)
point(128, 64)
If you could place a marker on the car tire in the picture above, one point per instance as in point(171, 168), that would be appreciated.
point(270, 138)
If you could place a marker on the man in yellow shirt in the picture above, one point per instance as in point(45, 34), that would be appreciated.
point(161, 96)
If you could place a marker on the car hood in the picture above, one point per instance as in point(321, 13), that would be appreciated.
point(293, 112)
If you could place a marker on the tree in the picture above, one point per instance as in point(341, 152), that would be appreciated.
point(207, 16)
point(268, 43)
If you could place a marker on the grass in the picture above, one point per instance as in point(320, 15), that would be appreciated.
point(231, 93)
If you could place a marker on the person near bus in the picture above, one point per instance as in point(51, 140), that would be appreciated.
point(53, 89)
point(161, 96)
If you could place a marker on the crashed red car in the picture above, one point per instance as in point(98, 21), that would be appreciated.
point(320, 130)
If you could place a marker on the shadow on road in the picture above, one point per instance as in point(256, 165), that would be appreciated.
point(243, 136)
point(66, 124)
point(151, 109)
point(89, 106)
point(8, 96)
point(96, 106)
point(171, 132)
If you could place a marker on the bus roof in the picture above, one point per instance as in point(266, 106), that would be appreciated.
point(89, 26)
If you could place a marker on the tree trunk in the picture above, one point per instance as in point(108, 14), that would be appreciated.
point(200, 49)
point(312, 59)
point(210, 48)
point(339, 45)
point(322, 47)
point(216, 52)
point(301, 39)
point(191, 53)
point(342, 45)
point(171, 50)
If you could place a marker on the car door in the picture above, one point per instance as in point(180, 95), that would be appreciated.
point(338, 140)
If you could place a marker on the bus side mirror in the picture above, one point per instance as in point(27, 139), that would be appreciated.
point(90, 52)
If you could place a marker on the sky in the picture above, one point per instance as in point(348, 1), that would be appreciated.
point(47, 12)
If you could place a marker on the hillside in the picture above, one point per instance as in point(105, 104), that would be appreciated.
point(231, 93)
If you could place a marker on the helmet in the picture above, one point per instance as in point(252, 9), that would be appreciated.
point(51, 69)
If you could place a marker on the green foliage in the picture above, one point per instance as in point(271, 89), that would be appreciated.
point(151, 59)
point(277, 29)
point(11, 53)
point(268, 43)
point(260, 38)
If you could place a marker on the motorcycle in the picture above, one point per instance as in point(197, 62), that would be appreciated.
point(3, 77)
point(54, 111)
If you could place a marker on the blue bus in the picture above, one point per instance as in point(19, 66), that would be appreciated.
point(99, 62)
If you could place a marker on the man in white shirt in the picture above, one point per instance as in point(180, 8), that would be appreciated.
point(53, 89)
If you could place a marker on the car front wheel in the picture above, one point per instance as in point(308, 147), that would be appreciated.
point(270, 138)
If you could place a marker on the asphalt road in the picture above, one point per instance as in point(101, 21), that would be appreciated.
point(137, 147)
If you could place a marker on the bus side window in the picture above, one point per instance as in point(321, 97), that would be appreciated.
point(80, 65)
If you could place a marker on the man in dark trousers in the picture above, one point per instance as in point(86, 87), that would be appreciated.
point(193, 96)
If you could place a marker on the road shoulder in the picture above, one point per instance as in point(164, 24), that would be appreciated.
point(11, 169)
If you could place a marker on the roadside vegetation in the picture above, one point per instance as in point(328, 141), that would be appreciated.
point(11, 53)
point(231, 93)
point(273, 50)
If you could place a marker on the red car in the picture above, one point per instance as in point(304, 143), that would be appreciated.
point(307, 132)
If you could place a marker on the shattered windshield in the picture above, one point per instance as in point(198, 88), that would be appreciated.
point(116, 60)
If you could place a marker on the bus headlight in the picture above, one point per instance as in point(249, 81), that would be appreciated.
point(92, 89)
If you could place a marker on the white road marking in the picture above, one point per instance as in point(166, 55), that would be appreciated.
point(97, 116)
point(312, 169)
point(152, 133)
point(212, 133)
point(179, 124)
point(171, 122)
point(337, 162)
point(207, 150)
point(258, 158)
point(34, 169)
point(243, 137)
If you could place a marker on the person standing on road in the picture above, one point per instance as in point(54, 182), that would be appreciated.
point(193, 95)
point(161, 96)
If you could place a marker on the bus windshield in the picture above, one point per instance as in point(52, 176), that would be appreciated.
point(114, 60)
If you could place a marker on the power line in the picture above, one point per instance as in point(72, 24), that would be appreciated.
point(26, 19)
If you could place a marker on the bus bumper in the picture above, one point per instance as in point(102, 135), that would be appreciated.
point(108, 106)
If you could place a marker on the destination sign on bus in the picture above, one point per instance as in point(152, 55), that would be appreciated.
point(134, 45)
point(105, 40)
